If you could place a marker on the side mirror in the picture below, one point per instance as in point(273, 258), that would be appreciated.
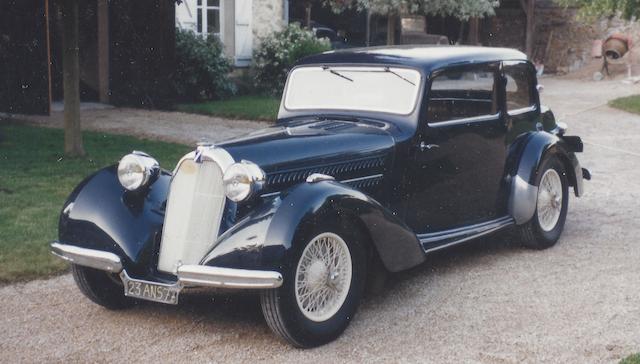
point(540, 88)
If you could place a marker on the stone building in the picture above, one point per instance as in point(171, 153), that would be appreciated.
point(238, 23)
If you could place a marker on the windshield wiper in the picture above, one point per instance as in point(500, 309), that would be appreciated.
point(387, 69)
point(336, 73)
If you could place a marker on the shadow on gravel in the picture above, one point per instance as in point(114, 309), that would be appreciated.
point(243, 308)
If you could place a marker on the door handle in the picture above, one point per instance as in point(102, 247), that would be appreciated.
point(424, 146)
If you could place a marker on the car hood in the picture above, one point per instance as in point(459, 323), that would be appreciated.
point(288, 153)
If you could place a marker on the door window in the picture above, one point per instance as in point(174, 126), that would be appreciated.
point(519, 87)
point(461, 94)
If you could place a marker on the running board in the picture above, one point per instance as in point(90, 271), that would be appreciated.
point(444, 239)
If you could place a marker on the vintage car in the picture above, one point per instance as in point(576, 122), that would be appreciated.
point(379, 157)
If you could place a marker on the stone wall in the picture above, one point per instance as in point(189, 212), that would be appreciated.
point(563, 42)
point(268, 17)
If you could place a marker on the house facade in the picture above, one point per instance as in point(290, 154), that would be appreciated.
point(238, 23)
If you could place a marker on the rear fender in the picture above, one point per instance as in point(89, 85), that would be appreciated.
point(536, 147)
point(265, 238)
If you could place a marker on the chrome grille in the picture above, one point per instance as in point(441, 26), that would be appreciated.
point(193, 214)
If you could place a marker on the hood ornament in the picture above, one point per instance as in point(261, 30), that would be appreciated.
point(200, 148)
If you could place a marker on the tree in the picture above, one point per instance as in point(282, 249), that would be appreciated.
point(337, 6)
point(628, 9)
point(461, 9)
point(71, 79)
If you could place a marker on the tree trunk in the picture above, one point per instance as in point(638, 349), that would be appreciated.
point(71, 79)
point(307, 14)
point(391, 29)
point(530, 10)
point(473, 38)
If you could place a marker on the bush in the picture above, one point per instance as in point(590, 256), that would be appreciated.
point(279, 51)
point(202, 70)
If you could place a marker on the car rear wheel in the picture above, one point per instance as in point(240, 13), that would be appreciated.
point(321, 290)
point(545, 228)
point(101, 287)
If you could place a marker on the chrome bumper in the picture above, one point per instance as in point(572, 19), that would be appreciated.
point(188, 275)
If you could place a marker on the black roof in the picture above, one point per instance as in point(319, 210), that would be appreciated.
point(427, 58)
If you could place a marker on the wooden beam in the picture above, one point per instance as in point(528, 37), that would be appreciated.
point(71, 79)
point(530, 11)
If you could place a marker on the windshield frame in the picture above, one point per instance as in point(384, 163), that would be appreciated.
point(420, 87)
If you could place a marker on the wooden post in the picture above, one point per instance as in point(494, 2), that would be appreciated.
point(474, 30)
point(71, 79)
point(391, 29)
point(307, 14)
point(103, 50)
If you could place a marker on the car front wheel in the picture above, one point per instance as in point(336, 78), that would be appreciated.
point(544, 229)
point(101, 287)
point(321, 290)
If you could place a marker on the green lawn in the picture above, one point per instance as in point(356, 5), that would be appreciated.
point(629, 103)
point(35, 180)
point(239, 107)
point(631, 359)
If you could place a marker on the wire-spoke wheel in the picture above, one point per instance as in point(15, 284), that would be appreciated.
point(323, 277)
point(322, 285)
point(544, 229)
point(549, 204)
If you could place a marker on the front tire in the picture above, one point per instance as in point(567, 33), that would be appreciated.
point(322, 287)
point(101, 287)
point(546, 225)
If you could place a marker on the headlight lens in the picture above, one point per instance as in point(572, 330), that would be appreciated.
point(136, 170)
point(242, 180)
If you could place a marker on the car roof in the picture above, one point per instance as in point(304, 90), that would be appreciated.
point(425, 57)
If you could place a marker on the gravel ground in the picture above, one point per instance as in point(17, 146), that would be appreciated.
point(485, 302)
point(176, 127)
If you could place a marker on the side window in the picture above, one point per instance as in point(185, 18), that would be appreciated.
point(519, 86)
point(462, 93)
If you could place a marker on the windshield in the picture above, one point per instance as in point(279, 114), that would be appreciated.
point(382, 89)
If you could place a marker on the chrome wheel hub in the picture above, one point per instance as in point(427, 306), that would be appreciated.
point(549, 204)
point(323, 277)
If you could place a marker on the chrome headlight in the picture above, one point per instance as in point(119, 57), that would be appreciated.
point(136, 170)
point(242, 180)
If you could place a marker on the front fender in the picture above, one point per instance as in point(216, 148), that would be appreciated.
point(536, 147)
point(265, 238)
point(100, 214)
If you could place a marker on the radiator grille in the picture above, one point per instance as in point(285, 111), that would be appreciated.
point(193, 215)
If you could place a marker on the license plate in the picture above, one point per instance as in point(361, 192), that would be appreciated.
point(151, 291)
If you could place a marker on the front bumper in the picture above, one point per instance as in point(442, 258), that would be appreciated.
point(188, 275)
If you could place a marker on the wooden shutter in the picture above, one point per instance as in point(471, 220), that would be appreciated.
point(243, 32)
point(186, 14)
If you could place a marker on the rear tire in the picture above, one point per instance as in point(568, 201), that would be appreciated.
point(316, 301)
point(546, 225)
point(101, 287)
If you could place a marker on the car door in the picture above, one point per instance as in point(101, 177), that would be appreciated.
point(458, 165)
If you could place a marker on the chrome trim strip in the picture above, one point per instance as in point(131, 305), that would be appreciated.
point(270, 194)
point(202, 275)
point(87, 257)
point(522, 110)
point(317, 177)
point(361, 178)
point(474, 119)
point(464, 233)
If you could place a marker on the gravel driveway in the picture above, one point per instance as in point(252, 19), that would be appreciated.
point(486, 302)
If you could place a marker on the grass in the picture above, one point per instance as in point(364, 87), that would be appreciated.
point(35, 180)
point(629, 103)
point(239, 107)
point(631, 359)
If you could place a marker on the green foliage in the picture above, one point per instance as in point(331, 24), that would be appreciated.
point(202, 70)
point(629, 103)
point(279, 51)
point(461, 9)
point(248, 107)
point(628, 9)
point(36, 180)
point(631, 359)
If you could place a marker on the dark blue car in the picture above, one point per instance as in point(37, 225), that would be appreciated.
point(379, 157)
